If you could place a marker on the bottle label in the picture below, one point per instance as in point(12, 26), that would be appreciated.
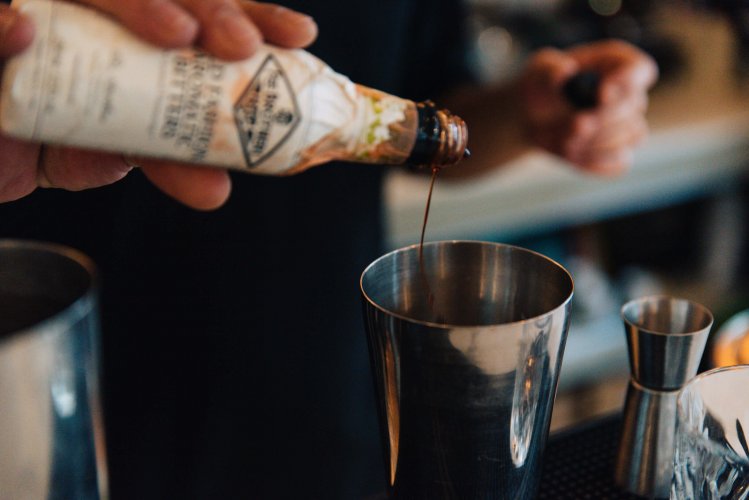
point(88, 82)
point(266, 113)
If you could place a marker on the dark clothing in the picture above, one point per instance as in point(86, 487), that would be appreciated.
point(235, 361)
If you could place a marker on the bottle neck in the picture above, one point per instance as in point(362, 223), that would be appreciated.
point(441, 138)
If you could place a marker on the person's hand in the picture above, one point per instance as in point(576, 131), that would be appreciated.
point(600, 139)
point(228, 29)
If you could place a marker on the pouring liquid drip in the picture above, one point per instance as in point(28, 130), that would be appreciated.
point(435, 316)
point(425, 280)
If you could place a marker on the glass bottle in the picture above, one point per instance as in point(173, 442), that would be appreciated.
point(88, 82)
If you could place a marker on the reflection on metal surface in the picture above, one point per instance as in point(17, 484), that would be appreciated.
point(392, 405)
point(532, 368)
point(449, 392)
point(49, 407)
point(645, 457)
point(666, 337)
point(62, 382)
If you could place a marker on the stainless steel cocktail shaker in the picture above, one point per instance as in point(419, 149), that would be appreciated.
point(466, 341)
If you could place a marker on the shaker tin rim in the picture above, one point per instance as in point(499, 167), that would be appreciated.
point(446, 326)
point(70, 313)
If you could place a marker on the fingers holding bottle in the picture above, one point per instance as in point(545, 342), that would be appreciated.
point(16, 31)
point(618, 121)
point(601, 137)
point(26, 166)
point(233, 30)
point(18, 159)
point(625, 71)
point(228, 29)
point(165, 23)
point(201, 188)
point(282, 26)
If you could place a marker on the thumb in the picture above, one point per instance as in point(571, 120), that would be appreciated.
point(549, 68)
point(16, 31)
point(636, 76)
point(542, 81)
point(202, 188)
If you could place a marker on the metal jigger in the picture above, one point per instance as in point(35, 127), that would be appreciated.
point(665, 338)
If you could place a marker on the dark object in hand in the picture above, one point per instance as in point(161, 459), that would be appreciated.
point(582, 89)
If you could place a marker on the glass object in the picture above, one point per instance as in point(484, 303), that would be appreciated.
point(87, 81)
point(51, 430)
point(712, 457)
point(466, 340)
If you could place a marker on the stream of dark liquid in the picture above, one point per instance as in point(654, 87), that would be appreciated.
point(422, 272)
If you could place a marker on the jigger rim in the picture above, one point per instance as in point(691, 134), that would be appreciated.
point(434, 324)
point(708, 315)
point(78, 307)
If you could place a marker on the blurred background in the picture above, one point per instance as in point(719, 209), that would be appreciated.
point(675, 224)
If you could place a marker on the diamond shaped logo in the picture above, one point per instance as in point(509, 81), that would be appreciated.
point(266, 113)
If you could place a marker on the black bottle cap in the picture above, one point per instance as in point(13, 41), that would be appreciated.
point(582, 89)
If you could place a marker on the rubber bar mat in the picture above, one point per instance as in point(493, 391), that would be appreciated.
point(579, 463)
